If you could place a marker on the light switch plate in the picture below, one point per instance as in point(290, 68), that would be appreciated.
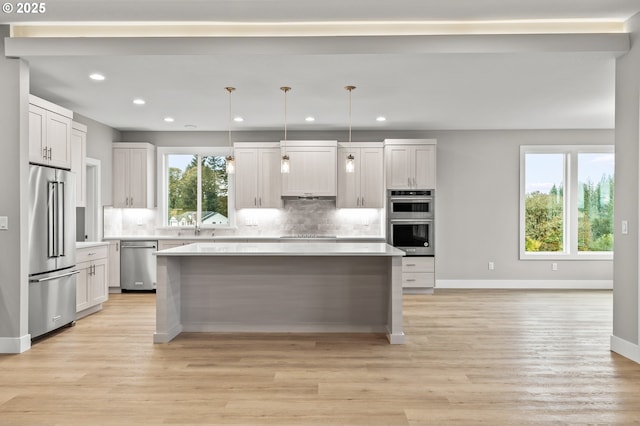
point(4, 223)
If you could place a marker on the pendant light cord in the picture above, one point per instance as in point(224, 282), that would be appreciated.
point(229, 90)
point(350, 89)
point(285, 89)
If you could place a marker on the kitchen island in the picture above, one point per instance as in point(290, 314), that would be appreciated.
point(279, 287)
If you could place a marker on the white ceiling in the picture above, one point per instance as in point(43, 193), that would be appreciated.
point(414, 90)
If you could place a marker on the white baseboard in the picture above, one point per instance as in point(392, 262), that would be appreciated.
point(15, 345)
point(527, 284)
point(625, 348)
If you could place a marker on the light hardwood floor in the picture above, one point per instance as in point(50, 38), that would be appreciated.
point(492, 357)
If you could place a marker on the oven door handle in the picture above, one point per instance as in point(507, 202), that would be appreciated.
point(416, 221)
point(401, 199)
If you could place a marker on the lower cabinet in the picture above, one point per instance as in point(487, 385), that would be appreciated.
point(92, 283)
point(418, 273)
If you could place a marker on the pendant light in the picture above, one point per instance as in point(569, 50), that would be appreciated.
point(350, 164)
point(284, 164)
point(231, 163)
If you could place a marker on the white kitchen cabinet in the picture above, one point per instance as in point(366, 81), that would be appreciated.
point(49, 133)
point(257, 179)
point(312, 169)
point(365, 186)
point(78, 161)
point(92, 281)
point(114, 266)
point(410, 163)
point(418, 273)
point(133, 175)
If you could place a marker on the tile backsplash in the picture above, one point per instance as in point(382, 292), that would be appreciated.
point(310, 217)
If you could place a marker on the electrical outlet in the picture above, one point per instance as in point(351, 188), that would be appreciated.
point(4, 223)
point(554, 266)
point(491, 266)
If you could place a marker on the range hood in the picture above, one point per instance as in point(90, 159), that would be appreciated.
point(308, 197)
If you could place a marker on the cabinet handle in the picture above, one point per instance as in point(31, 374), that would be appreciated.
point(255, 201)
point(410, 264)
point(362, 202)
point(44, 152)
point(357, 201)
point(260, 201)
point(415, 183)
point(131, 202)
point(117, 246)
point(91, 254)
point(49, 153)
point(410, 280)
point(409, 182)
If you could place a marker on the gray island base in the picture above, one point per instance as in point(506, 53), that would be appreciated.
point(279, 287)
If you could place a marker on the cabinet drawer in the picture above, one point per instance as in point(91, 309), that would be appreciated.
point(91, 253)
point(418, 264)
point(418, 279)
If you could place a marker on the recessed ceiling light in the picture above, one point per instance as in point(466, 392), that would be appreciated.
point(139, 101)
point(381, 118)
point(238, 119)
point(169, 119)
point(97, 77)
point(310, 119)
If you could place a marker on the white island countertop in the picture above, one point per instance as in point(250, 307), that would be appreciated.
point(283, 249)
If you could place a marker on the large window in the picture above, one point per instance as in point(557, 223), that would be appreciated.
point(566, 206)
point(195, 189)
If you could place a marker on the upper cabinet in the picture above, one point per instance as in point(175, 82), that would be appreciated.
point(312, 169)
point(49, 133)
point(365, 186)
point(134, 175)
point(78, 161)
point(257, 179)
point(411, 163)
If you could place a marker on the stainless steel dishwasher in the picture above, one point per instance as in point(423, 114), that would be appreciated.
point(138, 265)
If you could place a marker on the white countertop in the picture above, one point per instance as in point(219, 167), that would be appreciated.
point(87, 244)
point(283, 249)
point(232, 238)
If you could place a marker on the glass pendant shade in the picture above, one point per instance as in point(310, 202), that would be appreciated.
point(284, 164)
point(350, 164)
point(231, 165)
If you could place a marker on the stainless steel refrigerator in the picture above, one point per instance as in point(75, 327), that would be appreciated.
point(52, 254)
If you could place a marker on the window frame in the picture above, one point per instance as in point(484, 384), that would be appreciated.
point(163, 185)
point(570, 202)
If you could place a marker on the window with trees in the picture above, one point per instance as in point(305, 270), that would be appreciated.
point(196, 189)
point(566, 205)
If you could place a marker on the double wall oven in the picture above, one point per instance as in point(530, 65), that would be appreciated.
point(410, 221)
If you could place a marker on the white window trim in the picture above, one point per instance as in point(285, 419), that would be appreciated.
point(570, 200)
point(163, 184)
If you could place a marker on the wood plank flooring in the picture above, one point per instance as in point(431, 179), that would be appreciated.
point(472, 357)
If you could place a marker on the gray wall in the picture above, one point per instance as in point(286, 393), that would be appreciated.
point(477, 196)
point(14, 113)
point(625, 290)
point(99, 139)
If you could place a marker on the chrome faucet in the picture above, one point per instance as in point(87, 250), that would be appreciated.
point(197, 230)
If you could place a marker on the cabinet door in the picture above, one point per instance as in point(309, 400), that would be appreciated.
point(120, 177)
point(99, 291)
point(138, 178)
point(425, 167)
point(78, 164)
point(399, 165)
point(312, 172)
point(269, 188)
point(37, 136)
point(371, 178)
point(246, 179)
point(348, 183)
point(59, 140)
point(82, 286)
point(114, 264)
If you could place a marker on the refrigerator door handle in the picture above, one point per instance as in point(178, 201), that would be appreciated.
point(51, 223)
point(60, 218)
point(68, 274)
